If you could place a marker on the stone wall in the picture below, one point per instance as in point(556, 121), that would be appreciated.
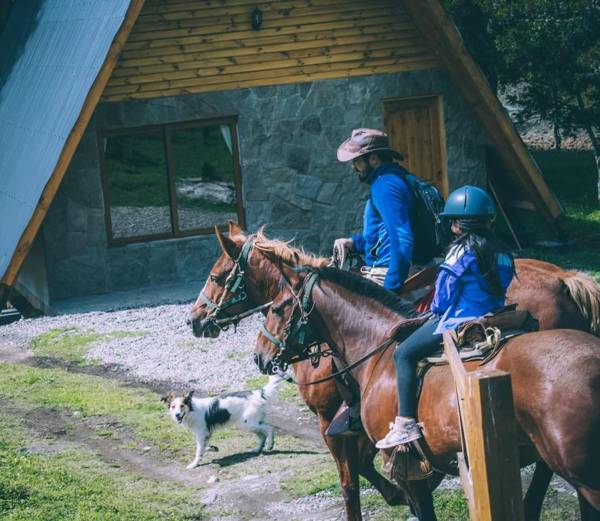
point(292, 182)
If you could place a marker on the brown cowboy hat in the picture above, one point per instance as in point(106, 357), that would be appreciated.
point(362, 141)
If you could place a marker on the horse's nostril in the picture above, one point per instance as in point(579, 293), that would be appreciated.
point(188, 322)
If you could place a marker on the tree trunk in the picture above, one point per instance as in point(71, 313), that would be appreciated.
point(595, 145)
point(557, 137)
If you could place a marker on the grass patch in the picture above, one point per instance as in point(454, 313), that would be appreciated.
point(287, 391)
point(256, 382)
point(559, 507)
point(322, 478)
point(71, 343)
point(75, 485)
point(138, 409)
point(236, 355)
point(572, 177)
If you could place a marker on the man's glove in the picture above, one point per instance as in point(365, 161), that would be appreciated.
point(341, 248)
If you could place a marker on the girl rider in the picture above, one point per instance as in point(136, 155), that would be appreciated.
point(472, 281)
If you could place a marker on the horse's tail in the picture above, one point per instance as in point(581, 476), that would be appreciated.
point(585, 292)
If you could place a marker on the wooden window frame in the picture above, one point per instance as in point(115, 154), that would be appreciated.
point(166, 130)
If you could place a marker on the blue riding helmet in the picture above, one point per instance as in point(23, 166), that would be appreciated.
point(469, 201)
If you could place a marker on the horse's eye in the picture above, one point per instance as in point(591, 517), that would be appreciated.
point(214, 278)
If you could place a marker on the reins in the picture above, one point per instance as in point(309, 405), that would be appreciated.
point(298, 329)
point(380, 347)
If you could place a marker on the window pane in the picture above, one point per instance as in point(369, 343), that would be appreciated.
point(202, 161)
point(137, 184)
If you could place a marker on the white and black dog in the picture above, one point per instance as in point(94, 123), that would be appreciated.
point(245, 409)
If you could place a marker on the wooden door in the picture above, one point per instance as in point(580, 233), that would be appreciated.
point(416, 128)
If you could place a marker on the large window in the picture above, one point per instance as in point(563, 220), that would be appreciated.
point(170, 181)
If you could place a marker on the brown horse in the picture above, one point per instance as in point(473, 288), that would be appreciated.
point(324, 399)
point(555, 378)
point(262, 278)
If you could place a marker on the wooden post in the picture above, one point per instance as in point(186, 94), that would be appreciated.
point(490, 469)
point(3, 295)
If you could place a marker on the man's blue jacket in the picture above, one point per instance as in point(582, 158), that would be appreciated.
point(387, 236)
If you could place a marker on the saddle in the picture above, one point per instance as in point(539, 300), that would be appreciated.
point(480, 339)
point(483, 338)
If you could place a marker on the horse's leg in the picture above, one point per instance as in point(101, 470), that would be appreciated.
point(532, 504)
point(344, 450)
point(421, 500)
point(588, 512)
point(392, 494)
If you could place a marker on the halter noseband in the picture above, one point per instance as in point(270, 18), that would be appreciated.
point(235, 282)
point(295, 330)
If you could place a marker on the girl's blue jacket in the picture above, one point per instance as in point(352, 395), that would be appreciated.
point(461, 291)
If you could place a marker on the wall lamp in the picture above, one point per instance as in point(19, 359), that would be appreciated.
point(256, 19)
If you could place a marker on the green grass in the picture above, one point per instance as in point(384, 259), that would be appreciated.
point(256, 382)
point(138, 409)
point(287, 391)
point(572, 177)
point(322, 478)
point(72, 344)
point(449, 505)
point(75, 485)
point(236, 355)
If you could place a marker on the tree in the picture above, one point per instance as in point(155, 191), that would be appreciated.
point(548, 49)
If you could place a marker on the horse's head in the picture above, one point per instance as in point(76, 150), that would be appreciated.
point(224, 293)
point(290, 327)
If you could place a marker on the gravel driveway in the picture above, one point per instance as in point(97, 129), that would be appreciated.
point(161, 346)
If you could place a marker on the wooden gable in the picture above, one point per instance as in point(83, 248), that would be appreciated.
point(200, 46)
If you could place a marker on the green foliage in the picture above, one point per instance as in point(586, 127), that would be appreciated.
point(581, 218)
point(549, 50)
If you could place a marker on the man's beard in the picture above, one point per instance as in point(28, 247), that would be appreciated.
point(363, 177)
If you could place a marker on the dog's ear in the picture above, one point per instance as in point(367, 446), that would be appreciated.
point(188, 399)
point(168, 398)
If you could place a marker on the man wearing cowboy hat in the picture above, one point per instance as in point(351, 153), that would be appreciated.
point(386, 241)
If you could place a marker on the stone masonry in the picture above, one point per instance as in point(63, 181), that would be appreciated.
point(291, 179)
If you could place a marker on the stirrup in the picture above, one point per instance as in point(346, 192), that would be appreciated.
point(344, 423)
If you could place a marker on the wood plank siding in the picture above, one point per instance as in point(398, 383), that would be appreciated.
point(181, 47)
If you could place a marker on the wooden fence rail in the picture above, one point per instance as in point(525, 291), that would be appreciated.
point(489, 462)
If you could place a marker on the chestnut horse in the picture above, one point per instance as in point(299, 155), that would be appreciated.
point(548, 292)
point(555, 378)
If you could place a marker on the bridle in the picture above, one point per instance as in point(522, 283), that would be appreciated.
point(235, 284)
point(296, 344)
point(295, 334)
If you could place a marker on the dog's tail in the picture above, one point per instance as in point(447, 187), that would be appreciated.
point(272, 387)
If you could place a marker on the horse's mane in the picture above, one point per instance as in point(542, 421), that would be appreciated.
point(288, 254)
point(367, 288)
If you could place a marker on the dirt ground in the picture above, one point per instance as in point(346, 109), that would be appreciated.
point(295, 481)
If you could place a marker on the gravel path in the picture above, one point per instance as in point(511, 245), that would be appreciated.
point(162, 346)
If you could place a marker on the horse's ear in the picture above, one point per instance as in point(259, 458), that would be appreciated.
point(227, 245)
point(234, 229)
